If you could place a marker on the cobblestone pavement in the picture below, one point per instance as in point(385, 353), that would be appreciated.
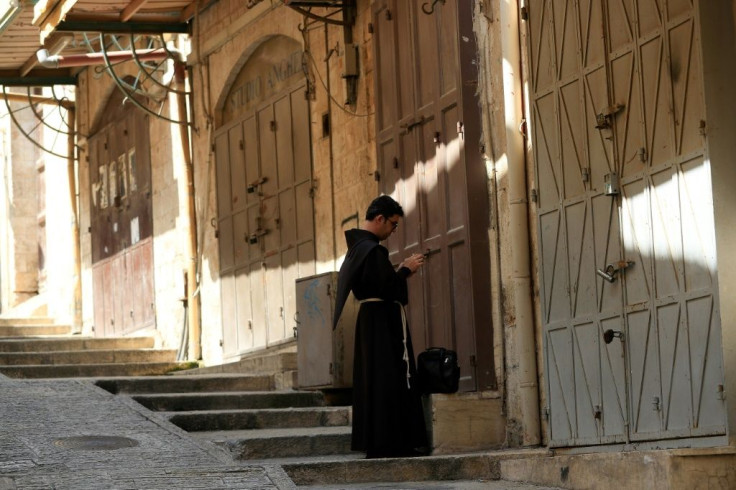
point(70, 434)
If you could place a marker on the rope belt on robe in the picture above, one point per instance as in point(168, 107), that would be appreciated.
point(403, 325)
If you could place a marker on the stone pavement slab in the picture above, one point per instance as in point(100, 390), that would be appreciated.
point(70, 434)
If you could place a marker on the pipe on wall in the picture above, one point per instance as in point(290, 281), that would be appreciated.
point(519, 226)
point(71, 146)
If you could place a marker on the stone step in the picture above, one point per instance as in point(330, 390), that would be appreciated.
point(74, 343)
point(92, 370)
point(281, 443)
point(214, 420)
point(268, 363)
point(345, 471)
point(12, 322)
point(224, 401)
point(187, 384)
point(87, 357)
point(34, 330)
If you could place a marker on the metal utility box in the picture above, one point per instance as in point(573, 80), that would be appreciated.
point(324, 355)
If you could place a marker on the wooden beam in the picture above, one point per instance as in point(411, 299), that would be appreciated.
point(191, 9)
point(131, 9)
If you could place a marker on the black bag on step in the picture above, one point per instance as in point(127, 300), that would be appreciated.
point(438, 371)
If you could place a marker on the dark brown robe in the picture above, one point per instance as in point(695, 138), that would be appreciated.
point(388, 420)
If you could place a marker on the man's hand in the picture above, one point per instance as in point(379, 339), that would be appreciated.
point(413, 262)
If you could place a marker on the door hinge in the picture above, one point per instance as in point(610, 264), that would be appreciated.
point(533, 195)
point(273, 125)
point(241, 145)
point(473, 360)
point(545, 413)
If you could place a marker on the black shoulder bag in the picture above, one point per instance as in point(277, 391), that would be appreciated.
point(438, 371)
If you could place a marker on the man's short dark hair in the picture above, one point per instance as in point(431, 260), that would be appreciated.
point(383, 206)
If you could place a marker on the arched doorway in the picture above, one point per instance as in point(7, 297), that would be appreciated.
point(121, 223)
point(264, 195)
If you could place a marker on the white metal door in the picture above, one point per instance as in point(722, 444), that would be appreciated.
point(624, 189)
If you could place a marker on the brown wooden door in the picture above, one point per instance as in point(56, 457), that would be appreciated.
point(120, 220)
point(265, 220)
point(428, 159)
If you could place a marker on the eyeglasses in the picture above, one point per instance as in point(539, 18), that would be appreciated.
point(394, 224)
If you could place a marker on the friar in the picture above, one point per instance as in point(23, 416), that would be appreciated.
point(388, 420)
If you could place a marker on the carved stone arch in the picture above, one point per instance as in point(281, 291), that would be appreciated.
point(257, 59)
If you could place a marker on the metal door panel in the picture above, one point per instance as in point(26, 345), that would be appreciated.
point(447, 48)
point(243, 321)
point(559, 349)
point(556, 304)
point(650, 16)
point(592, 49)
point(384, 42)
point(117, 286)
point(627, 122)
point(607, 251)
point(675, 368)
point(267, 147)
point(284, 139)
point(254, 223)
point(667, 234)
point(304, 213)
point(546, 153)
point(290, 273)
point(225, 242)
point(229, 314)
point(405, 64)
point(613, 384)
point(258, 300)
point(698, 244)
point(252, 167)
point(287, 224)
point(587, 378)
point(572, 135)
point(274, 299)
point(636, 231)
point(407, 189)
point(581, 260)
point(301, 140)
point(305, 252)
point(619, 25)
point(461, 309)
point(646, 397)
point(456, 204)
point(239, 241)
point(658, 131)
point(566, 32)
point(268, 220)
point(426, 50)
point(709, 409)
point(686, 87)
point(99, 298)
point(541, 47)
point(599, 157)
point(236, 158)
point(431, 171)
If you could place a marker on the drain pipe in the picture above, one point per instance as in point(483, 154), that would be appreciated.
point(180, 73)
point(193, 304)
point(519, 225)
point(77, 314)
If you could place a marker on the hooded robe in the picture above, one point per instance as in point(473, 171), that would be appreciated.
point(388, 419)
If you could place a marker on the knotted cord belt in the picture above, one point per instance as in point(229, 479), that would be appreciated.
point(403, 326)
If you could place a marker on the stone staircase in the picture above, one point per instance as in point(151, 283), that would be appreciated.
point(38, 348)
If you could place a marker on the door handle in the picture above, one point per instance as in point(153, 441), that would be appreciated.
point(609, 273)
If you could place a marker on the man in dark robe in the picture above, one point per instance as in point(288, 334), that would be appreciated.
point(388, 420)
